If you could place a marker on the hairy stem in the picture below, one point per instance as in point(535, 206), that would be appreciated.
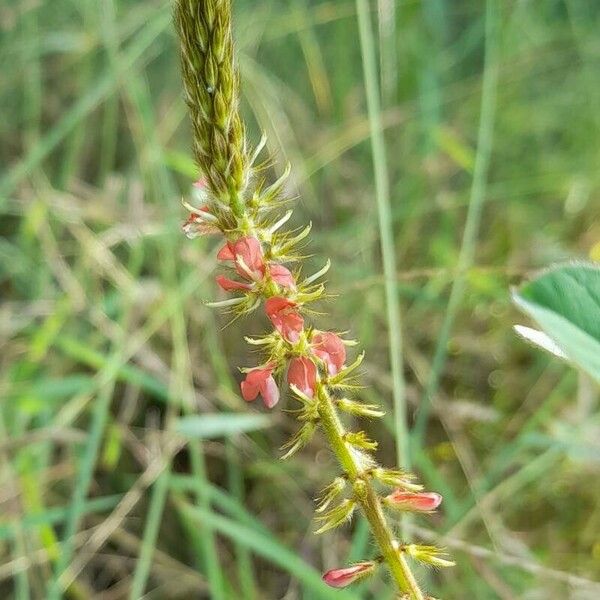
point(367, 498)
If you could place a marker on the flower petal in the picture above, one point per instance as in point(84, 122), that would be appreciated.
point(285, 318)
point(282, 276)
point(230, 285)
point(330, 349)
point(302, 373)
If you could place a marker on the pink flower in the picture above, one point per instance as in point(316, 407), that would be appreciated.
point(248, 256)
point(302, 373)
point(282, 276)
point(415, 501)
point(229, 285)
point(260, 381)
point(339, 578)
point(285, 317)
point(196, 225)
point(330, 349)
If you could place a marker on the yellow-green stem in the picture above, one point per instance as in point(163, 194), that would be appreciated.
point(368, 499)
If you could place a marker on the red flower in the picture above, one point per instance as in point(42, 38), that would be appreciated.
point(260, 381)
point(330, 349)
point(248, 256)
point(339, 578)
point(302, 374)
point(285, 317)
point(229, 285)
point(196, 225)
point(282, 276)
point(419, 501)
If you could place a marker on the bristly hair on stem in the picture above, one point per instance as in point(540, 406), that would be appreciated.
point(250, 216)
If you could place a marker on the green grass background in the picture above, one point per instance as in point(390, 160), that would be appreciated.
point(106, 341)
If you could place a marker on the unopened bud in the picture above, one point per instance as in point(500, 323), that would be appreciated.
point(415, 502)
point(340, 578)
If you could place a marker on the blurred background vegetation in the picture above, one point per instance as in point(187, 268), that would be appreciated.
point(105, 338)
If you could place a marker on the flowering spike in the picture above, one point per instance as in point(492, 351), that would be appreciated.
point(257, 248)
point(336, 516)
point(330, 493)
point(428, 554)
point(359, 409)
point(340, 578)
point(411, 501)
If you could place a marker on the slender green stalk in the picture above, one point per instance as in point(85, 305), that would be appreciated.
point(367, 497)
point(110, 124)
point(384, 212)
point(477, 198)
point(387, 48)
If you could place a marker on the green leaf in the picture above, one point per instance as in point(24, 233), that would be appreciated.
point(218, 425)
point(565, 303)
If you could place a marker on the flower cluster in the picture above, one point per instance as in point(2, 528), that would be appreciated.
point(233, 202)
point(313, 363)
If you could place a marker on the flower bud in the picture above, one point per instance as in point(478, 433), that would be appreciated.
point(411, 501)
point(340, 578)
